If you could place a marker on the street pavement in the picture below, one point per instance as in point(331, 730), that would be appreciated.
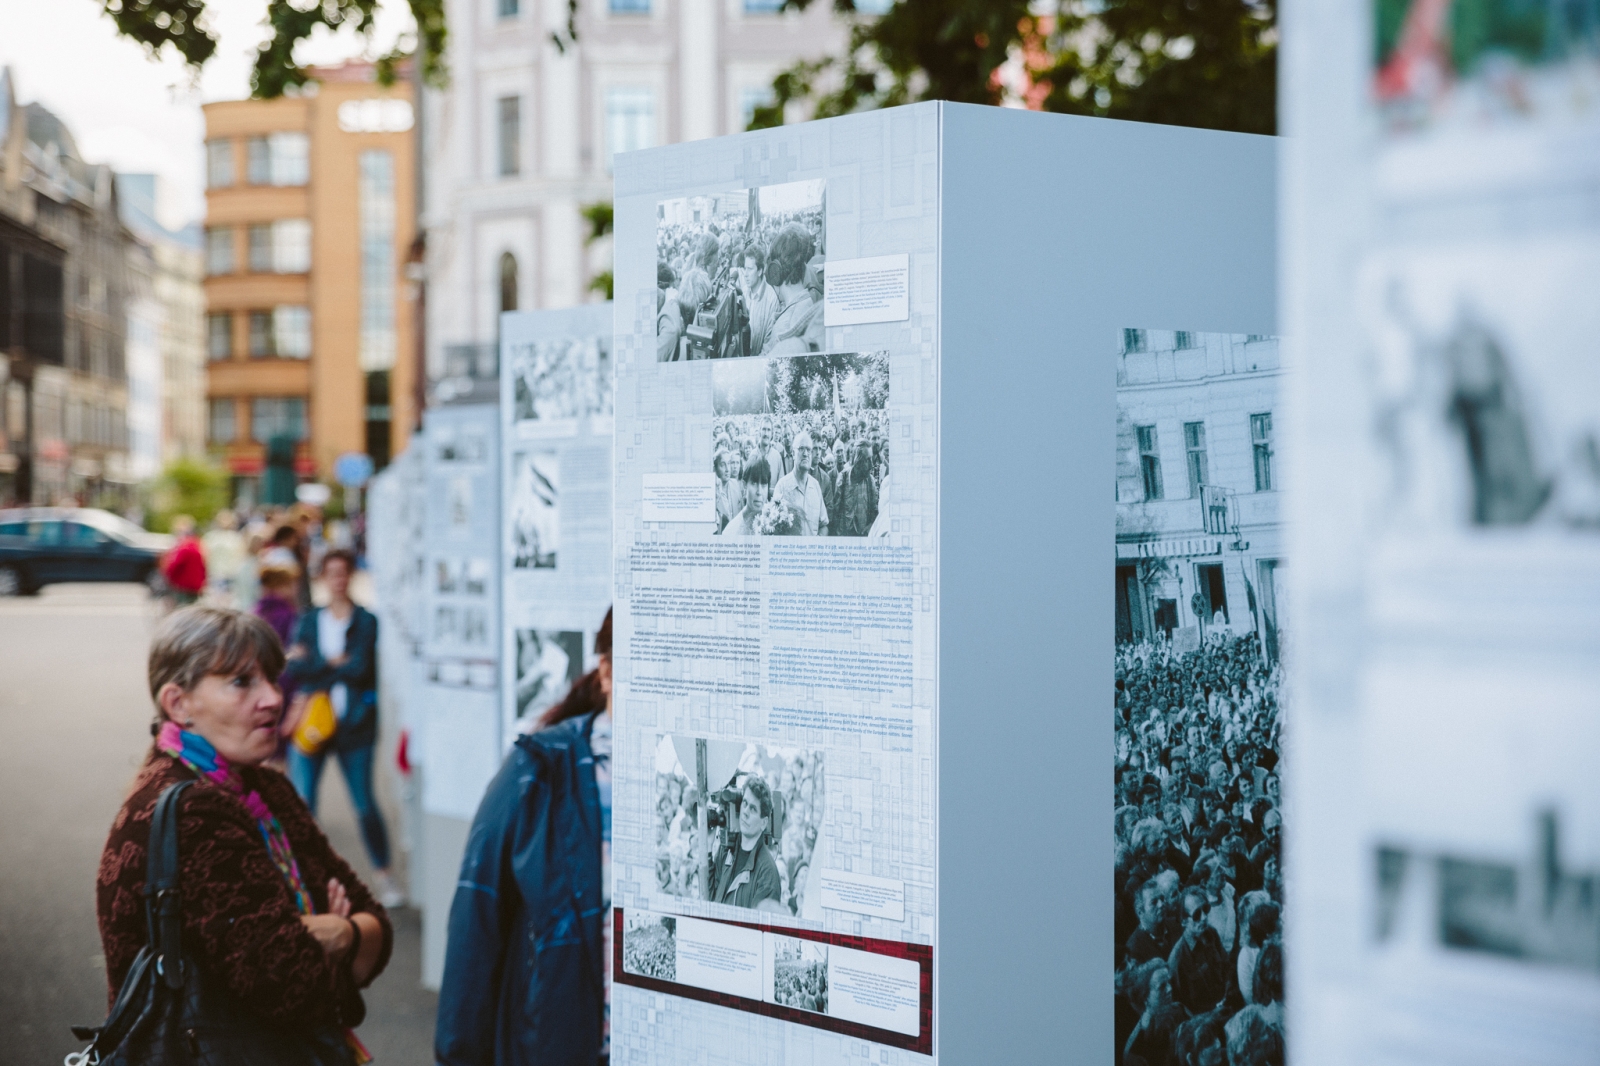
point(74, 716)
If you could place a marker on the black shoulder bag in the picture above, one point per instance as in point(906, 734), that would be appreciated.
point(168, 1013)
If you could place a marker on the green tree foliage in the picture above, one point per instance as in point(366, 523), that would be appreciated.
point(600, 217)
point(1205, 63)
point(180, 23)
point(187, 486)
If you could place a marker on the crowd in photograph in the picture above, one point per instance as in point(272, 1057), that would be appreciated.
point(759, 284)
point(797, 795)
point(806, 473)
point(1199, 899)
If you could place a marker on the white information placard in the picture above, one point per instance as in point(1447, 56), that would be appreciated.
point(876, 289)
point(555, 416)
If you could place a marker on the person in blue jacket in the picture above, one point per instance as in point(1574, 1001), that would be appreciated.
point(527, 967)
point(335, 650)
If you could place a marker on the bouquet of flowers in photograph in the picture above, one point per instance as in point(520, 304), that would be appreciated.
point(777, 519)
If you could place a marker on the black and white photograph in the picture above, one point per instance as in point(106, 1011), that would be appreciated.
point(548, 662)
point(741, 273)
point(800, 973)
point(650, 945)
point(460, 502)
point(535, 510)
point(446, 572)
point(445, 623)
point(474, 626)
point(561, 378)
point(1198, 699)
point(467, 446)
point(475, 577)
point(800, 445)
point(737, 823)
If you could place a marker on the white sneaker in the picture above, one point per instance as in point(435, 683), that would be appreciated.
point(389, 893)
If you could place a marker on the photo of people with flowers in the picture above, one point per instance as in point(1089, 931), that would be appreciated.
point(800, 445)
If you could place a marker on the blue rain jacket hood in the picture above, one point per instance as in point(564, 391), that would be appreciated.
point(523, 978)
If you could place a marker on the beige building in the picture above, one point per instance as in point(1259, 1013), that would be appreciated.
point(309, 219)
point(523, 137)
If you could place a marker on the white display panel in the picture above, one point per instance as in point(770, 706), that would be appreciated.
point(555, 432)
point(1440, 290)
point(460, 730)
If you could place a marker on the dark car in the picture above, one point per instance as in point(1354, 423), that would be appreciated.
point(42, 546)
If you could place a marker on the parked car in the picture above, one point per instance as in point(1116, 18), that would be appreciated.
point(42, 546)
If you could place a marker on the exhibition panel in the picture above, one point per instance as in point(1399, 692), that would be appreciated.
point(840, 751)
point(555, 432)
point(1440, 294)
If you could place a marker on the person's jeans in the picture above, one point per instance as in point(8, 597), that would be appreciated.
point(305, 771)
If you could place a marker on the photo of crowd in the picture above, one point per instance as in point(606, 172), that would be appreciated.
point(1199, 897)
point(549, 662)
point(800, 973)
point(535, 509)
point(800, 446)
point(737, 823)
point(741, 273)
point(567, 377)
point(650, 945)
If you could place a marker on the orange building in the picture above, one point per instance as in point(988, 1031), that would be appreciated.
point(309, 218)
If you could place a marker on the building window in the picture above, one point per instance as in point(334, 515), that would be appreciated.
point(278, 159)
point(219, 164)
point(629, 7)
point(1185, 339)
point(282, 247)
point(380, 414)
point(1133, 340)
point(1149, 462)
point(507, 9)
point(873, 7)
point(510, 112)
point(751, 98)
point(261, 344)
point(259, 245)
point(291, 332)
point(375, 195)
point(1194, 442)
point(277, 416)
point(291, 246)
point(762, 7)
point(630, 120)
point(508, 282)
point(219, 335)
point(219, 251)
point(222, 427)
point(1261, 445)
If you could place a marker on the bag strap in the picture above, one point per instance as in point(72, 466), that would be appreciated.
point(163, 903)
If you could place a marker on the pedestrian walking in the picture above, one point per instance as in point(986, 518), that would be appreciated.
point(335, 651)
point(226, 558)
point(283, 933)
point(537, 860)
point(185, 565)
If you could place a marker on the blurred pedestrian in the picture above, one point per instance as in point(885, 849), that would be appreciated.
point(276, 605)
point(185, 565)
point(275, 920)
point(224, 548)
point(537, 858)
point(335, 650)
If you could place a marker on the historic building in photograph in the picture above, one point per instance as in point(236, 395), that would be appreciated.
point(521, 141)
point(1199, 532)
point(66, 280)
point(309, 217)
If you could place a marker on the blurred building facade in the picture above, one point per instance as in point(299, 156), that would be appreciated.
point(522, 139)
point(69, 268)
point(309, 217)
point(177, 301)
point(1199, 526)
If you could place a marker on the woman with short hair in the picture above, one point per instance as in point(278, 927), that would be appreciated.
point(271, 914)
point(335, 651)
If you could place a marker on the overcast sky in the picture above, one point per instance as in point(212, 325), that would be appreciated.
point(140, 114)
